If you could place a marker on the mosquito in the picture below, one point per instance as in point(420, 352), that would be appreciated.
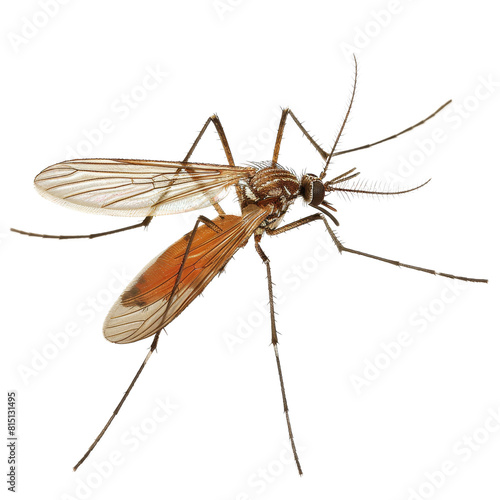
point(171, 281)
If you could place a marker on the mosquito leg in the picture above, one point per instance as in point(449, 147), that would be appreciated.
point(222, 136)
point(293, 225)
point(274, 341)
point(225, 144)
point(341, 248)
point(117, 409)
point(144, 223)
point(421, 122)
point(211, 225)
point(321, 151)
point(279, 137)
point(326, 156)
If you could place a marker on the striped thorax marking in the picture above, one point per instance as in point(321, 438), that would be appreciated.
point(274, 186)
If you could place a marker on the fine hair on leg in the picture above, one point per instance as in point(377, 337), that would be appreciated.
point(274, 342)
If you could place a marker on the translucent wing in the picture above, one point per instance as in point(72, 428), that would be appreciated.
point(137, 188)
point(142, 308)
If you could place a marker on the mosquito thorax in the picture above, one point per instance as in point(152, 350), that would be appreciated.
point(312, 189)
point(271, 185)
point(273, 182)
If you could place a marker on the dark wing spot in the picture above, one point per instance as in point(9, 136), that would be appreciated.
point(131, 298)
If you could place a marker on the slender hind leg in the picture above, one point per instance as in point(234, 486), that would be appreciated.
point(117, 409)
point(274, 341)
point(211, 225)
point(144, 223)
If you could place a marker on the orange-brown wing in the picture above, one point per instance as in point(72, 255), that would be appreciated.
point(137, 188)
point(141, 310)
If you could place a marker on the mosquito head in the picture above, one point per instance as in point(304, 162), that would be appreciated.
point(312, 189)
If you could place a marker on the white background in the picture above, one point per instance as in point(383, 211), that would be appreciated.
point(226, 438)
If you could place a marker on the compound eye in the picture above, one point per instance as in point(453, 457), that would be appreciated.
point(312, 189)
point(318, 193)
